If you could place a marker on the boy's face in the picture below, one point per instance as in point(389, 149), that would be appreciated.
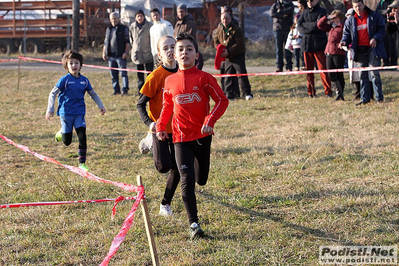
point(185, 54)
point(74, 66)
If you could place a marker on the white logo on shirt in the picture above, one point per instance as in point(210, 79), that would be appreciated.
point(361, 27)
point(187, 98)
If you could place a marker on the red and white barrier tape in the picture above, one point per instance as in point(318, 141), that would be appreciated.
point(74, 169)
point(127, 224)
point(288, 73)
point(92, 66)
point(8, 60)
point(21, 205)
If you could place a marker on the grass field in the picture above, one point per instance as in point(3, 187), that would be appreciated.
point(288, 174)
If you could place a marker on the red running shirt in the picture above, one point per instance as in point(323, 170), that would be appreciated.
point(362, 31)
point(186, 96)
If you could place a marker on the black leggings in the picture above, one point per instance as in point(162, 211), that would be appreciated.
point(81, 132)
point(336, 62)
point(164, 160)
point(193, 161)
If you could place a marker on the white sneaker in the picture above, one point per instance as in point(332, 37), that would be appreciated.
point(165, 210)
point(248, 97)
point(145, 144)
point(196, 231)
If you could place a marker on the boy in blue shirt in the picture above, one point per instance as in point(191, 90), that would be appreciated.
point(71, 105)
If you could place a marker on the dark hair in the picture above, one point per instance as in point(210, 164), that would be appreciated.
point(227, 9)
point(71, 54)
point(155, 10)
point(357, 1)
point(187, 36)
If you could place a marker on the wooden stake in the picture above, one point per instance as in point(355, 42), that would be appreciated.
point(148, 227)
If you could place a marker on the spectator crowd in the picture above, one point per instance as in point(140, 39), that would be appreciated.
point(309, 34)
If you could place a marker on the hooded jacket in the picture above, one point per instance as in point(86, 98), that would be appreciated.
point(375, 28)
point(187, 24)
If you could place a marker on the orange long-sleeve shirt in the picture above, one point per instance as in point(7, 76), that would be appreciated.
point(186, 96)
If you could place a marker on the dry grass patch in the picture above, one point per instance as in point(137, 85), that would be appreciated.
point(288, 174)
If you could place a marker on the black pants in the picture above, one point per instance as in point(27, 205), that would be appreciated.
point(234, 82)
point(140, 75)
point(236, 65)
point(163, 153)
point(82, 149)
point(336, 62)
point(391, 49)
point(193, 161)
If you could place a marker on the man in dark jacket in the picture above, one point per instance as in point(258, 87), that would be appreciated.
point(232, 36)
point(116, 50)
point(313, 43)
point(282, 12)
point(185, 23)
point(365, 31)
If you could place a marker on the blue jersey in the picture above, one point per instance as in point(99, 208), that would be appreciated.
point(71, 98)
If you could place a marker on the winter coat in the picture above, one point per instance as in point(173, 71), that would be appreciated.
point(282, 14)
point(314, 39)
point(234, 39)
point(293, 43)
point(376, 30)
point(334, 36)
point(141, 43)
point(187, 24)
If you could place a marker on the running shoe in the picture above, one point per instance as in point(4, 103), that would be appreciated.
point(58, 135)
point(165, 210)
point(83, 167)
point(196, 231)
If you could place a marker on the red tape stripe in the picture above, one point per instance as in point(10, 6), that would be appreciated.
point(76, 170)
point(8, 60)
point(21, 205)
point(127, 224)
point(237, 75)
point(93, 66)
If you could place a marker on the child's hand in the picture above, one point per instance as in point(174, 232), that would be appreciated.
point(102, 110)
point(49, 115)
point(162, 135)
point(206, 130)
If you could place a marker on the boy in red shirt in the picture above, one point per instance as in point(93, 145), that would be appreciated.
point(186, 96)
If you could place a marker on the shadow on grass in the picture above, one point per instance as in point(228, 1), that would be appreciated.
point(312, 231)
